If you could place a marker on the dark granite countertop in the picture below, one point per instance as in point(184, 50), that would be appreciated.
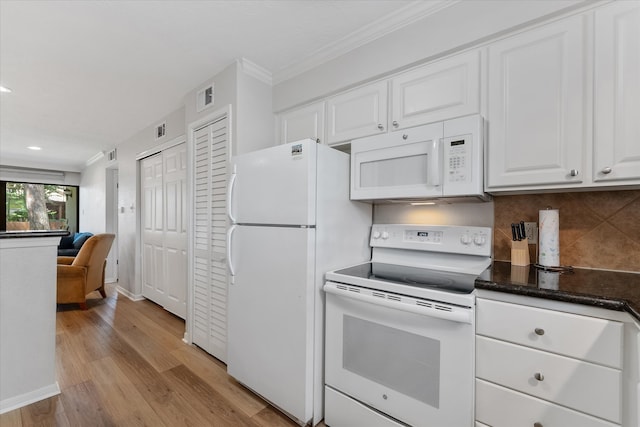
point(32, 233)
point(605, 289)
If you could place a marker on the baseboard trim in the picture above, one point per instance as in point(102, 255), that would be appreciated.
point(128, 294)
point(25, 399)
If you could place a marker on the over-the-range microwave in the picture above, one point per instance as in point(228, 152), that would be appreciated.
point(442, 160)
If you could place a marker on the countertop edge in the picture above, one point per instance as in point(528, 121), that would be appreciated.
point(31, 234)
point(584, 299)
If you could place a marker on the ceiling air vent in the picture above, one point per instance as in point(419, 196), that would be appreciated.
point(161, 129)
point(111, 155)
point(204, 98)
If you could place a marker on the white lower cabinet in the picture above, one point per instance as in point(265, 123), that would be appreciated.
point(540, 367)
point(518, 409)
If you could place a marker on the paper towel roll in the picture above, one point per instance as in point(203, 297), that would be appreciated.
point(549, 245)
point(548, 279)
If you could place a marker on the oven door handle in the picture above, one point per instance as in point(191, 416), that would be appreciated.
point(457, 314)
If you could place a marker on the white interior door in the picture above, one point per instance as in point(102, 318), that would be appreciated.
point(152, 228)
point(111, 273)
point(175, 230)
point(164, 231)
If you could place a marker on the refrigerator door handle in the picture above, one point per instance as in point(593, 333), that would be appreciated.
point(232, 182)
point(232, 271)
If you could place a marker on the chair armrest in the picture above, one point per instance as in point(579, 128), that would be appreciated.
point(66, 260)
point(70, 272)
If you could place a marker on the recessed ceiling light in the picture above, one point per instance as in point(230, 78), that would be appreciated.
point(34, 148)
point(5, 89)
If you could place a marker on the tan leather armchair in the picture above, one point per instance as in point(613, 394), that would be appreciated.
point(84, 273)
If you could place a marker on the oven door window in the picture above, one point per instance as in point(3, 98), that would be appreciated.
point(411, 366)
point(402, 361)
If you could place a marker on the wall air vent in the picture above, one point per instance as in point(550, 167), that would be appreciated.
point(112, 155)
point(204, 98)
point(161, 130)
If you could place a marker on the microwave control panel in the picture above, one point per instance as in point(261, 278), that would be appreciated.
point(457, 152)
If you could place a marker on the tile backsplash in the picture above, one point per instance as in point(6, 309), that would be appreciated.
point(599, 229)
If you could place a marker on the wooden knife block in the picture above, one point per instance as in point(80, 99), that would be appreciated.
point(520, 252)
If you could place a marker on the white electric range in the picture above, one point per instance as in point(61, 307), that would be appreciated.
point(399, 333)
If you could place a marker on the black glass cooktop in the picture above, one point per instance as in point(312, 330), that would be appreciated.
point(413, 276)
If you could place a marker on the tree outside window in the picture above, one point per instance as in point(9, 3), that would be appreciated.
point(41, 207)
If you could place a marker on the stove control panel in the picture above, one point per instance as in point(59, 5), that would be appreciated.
point(433, 238)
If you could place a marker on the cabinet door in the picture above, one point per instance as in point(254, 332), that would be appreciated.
point(302, 123)
point(357, 113)
point(617, 92)
point(536, 111)
point(438, 91)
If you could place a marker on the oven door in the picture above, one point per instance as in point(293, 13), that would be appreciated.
point(403, 164)
point(396, 358)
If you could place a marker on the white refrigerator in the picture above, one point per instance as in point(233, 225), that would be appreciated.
point(292, 221)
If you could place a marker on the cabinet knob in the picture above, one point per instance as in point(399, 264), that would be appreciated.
point(574, 172)
point(395, 124)
point(317, 140)
point(538, 376)
point(537, 425)
point(380, 126)
point(606, 170)
point(539, 331)
point(405, 136)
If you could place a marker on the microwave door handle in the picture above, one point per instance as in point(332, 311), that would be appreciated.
point(435, 163)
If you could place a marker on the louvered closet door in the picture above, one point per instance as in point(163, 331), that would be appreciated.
point(211, 155)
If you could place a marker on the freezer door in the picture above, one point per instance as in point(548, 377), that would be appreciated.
point(270, 316)
point(275, 185)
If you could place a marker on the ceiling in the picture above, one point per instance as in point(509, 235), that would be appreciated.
point(87, 75)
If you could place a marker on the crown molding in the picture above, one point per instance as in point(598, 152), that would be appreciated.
point(94, 158)
point(402, 17)
point(254, 70)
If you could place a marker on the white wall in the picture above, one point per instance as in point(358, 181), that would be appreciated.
point(93, 198)
point(128, 201)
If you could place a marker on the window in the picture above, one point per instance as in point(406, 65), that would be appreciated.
point(31, 206)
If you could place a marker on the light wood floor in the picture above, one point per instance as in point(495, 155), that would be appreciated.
point(123, 363)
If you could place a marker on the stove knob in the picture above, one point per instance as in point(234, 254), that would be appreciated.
point(376, 234)
point(385, 235)
point(479, 239)
point(465, 239)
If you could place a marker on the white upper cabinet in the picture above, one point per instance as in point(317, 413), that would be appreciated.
point(617, 93)
point(438, 91)
point(536, 108)
point(357, 113)
point(302, 123)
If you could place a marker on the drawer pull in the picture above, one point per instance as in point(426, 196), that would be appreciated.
point(539, 331)
point(538, 376)
point(537, 424)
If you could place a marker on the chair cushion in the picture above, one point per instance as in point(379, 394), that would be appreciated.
point(66, 242)
point(79, 239)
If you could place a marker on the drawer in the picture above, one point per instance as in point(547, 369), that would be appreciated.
point(500, 407)
point(587, 338)
point(579, 385)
